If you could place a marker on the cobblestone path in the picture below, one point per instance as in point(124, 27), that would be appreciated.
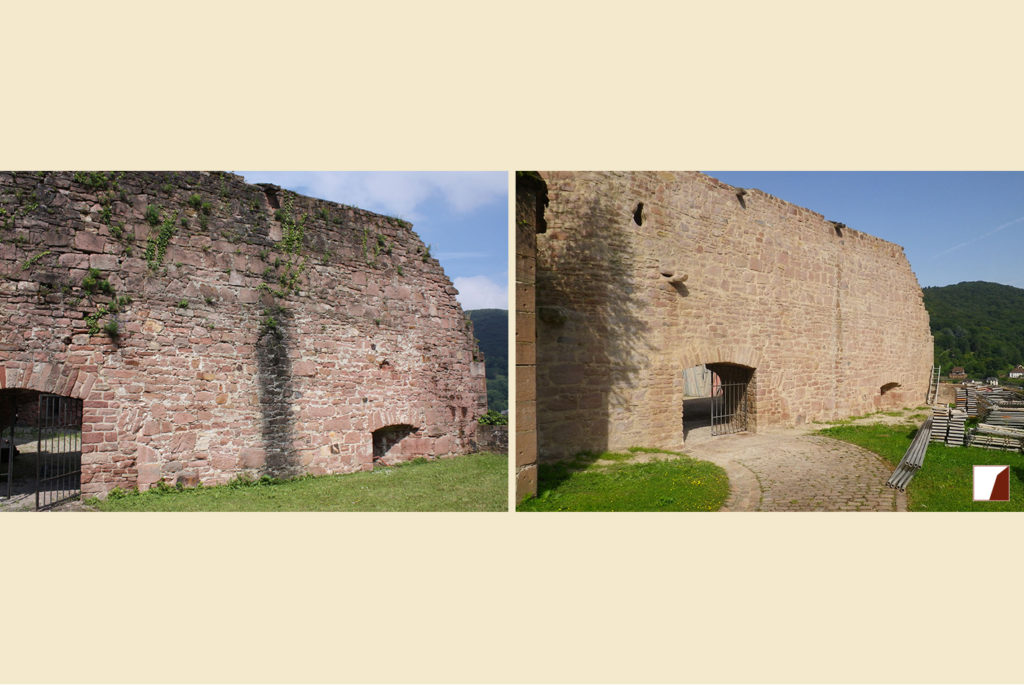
point(788, 471)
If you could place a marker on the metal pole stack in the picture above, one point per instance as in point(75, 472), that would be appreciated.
point(912, 461)
point(955, 437)
point(1002, 422)
point(940, 423)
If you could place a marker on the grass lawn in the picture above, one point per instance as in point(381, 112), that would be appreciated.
point(475, 482)
point(945, 481)
point(582, 484)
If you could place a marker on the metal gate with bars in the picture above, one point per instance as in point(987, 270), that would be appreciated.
point(59, 458)
point(58, 455)
point(729, 408)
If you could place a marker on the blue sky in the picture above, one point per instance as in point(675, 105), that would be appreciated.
point(462, 215)
point(953, 225)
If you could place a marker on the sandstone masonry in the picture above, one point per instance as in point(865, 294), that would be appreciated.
point(215, 328)
point(820, 320)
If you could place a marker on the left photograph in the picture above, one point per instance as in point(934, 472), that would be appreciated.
point(253, 341)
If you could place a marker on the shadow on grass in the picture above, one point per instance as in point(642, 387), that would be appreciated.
point(581, 484)
point(553, 473)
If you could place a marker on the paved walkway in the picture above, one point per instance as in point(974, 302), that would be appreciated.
point(792, 471)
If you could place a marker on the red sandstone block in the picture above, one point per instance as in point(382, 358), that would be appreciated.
point(304, 368)
point(252, 457)
point(106, 262)
point(149, 473)
point(89, 242)
point(223, 463)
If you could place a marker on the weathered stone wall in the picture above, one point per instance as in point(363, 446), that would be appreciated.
point(530, 199)
point(492, 438)
point(257, 331)
point(823, 314)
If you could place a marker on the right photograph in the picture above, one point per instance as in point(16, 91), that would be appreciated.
point(769, 341)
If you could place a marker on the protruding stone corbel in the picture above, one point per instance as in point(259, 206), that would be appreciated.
point(672, 277)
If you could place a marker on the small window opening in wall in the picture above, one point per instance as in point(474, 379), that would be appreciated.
point(388, 442)
point(638, 214)
point(270, 191)
point(887, 387)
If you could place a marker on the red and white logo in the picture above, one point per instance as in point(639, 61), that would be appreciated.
point(991, 483)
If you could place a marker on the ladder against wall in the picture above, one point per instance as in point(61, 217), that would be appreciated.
point(933, 386)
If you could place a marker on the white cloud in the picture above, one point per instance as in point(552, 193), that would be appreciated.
point(396, 193)
point(480, 292)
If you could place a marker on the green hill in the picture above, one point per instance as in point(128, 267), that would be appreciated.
point(491, 329)
point(977, 325)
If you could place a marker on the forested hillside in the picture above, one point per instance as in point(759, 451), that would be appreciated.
point(977, 325)
point(491, 329)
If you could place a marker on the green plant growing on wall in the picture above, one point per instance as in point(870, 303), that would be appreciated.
point(106, 209)
point(31, 261)
point(195, 201)
point(183, 304)
point(152, 215)
point(93, 180)
point(156, 246)
point(94, 282)
point(92, 321)
point(293, 232)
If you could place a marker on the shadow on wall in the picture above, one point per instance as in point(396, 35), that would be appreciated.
point(592, 345)
point(277, 423)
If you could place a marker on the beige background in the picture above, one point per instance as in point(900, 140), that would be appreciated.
point(505, 597)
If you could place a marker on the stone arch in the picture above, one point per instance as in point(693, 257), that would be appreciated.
point(395, 436)
point(742, 355)
point(45, 377)
point(731, 364)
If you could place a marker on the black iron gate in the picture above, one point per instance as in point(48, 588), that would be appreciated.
point(728, 408)
point(59, 453)
point(7, 449)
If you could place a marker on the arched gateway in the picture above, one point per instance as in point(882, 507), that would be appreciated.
point(43, 430)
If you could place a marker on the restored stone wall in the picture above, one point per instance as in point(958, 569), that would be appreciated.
point(823, 314)
point(215, 328)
